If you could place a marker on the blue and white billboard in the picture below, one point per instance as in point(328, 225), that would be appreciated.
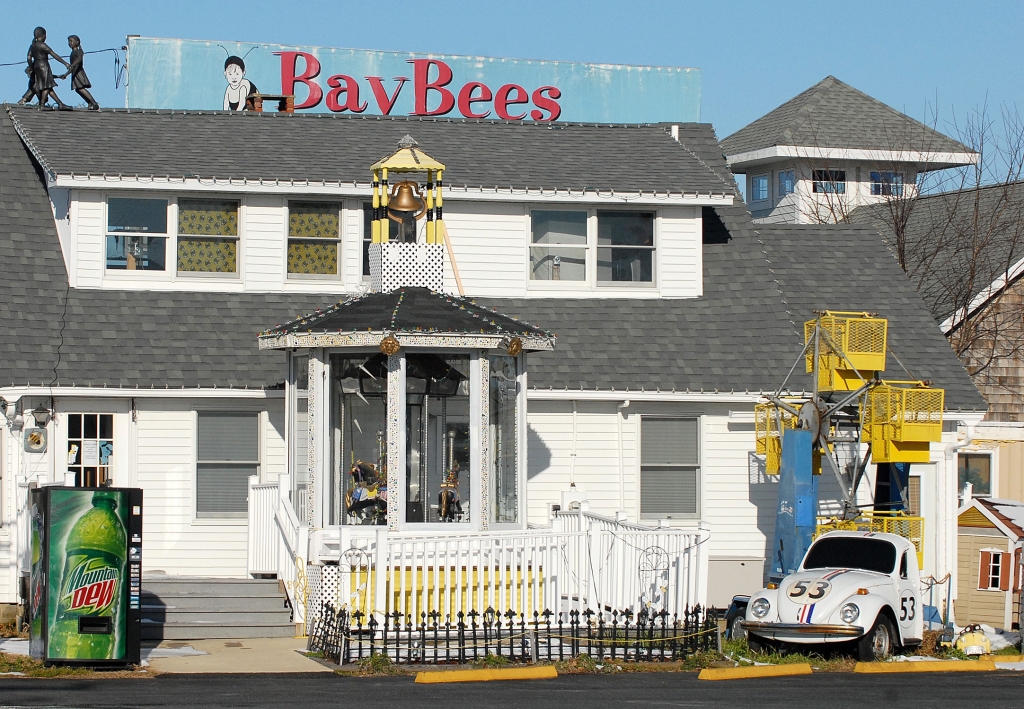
point(211, 75)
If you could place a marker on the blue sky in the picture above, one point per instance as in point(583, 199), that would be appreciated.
point(915, 56)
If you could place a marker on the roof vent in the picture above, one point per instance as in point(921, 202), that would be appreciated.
point(407, 142)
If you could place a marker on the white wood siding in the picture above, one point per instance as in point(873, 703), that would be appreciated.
point(264, 248)
point(679, 245)
point(490, 244)
point(89, 237)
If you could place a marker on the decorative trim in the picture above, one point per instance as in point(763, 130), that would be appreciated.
point(373, 339)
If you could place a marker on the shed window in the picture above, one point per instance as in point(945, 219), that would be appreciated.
point(136, 234)
point(314, 235)
point(994, 571)
point(228, 454)
point(207, 236)
point(669, 468)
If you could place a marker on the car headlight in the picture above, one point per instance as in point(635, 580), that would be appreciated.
point(760, 607)
point(849, 613)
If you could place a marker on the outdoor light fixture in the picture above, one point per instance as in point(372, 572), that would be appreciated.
point(42, 415)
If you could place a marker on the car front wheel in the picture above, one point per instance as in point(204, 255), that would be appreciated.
point(736, 631)
point(878, 643)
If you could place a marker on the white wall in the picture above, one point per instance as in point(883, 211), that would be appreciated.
point(490, 241)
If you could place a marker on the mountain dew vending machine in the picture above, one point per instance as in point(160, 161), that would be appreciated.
point(86, 575)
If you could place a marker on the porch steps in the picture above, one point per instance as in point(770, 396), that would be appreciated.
point(186, 608)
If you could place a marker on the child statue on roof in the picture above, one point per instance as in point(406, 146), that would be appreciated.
point(41, 81)
point(79, 80)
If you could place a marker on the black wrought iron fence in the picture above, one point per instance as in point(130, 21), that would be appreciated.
point(442, 639)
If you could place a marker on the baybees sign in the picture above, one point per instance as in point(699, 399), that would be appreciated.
point(432, 87)
point(210, 75)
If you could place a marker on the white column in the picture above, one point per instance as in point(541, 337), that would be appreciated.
point(396, 441)
point(479, 441)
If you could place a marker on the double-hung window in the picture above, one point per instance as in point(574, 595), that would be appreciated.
point(829, 182)
point(625, 247)
point(136, 234)
point(207, 236)
point(887, 184)
point(314, 235)
point(558, 246)
point(227, 455)
point(758, 188)
point(669, 468)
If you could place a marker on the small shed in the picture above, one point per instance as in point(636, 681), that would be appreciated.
point(990, 533)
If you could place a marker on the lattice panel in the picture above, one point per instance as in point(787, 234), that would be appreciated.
point(394, 265)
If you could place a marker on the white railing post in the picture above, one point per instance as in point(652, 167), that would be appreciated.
point(701, 581)
point(252, 529)
point(381, 574)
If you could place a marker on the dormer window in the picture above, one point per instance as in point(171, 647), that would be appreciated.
point(558, 246)
point(207, 236)
point(314, 237)
point(625, 247)
point(136, 234)
point(787, 182)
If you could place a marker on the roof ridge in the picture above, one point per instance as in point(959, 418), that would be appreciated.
point(808, 108)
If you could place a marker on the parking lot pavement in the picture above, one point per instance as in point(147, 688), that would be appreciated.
point(566, 692)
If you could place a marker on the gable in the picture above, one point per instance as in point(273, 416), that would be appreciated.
point(973, 517)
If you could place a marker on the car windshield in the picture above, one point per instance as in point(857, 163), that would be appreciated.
point(852, 553)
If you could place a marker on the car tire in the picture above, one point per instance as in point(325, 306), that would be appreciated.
point(736, 631)
point(879, 643)
point(756, 645)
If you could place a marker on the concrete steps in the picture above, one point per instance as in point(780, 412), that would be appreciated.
point(184, 608)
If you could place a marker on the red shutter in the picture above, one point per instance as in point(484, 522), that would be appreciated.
point(984, 570)
point(1016, 569)
point(1004, 572)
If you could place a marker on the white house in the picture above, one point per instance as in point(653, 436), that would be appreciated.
point(143, 253)
point(831, 149)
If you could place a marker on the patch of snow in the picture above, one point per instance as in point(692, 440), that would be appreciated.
point(14, 646)
point(914, 658)
point(1000, 638)
point(1015, 666)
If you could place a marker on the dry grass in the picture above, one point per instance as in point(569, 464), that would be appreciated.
point(30, 667)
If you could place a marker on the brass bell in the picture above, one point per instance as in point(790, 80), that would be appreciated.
point(406, 197)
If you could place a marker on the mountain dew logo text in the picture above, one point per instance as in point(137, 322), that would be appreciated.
point(91, 585)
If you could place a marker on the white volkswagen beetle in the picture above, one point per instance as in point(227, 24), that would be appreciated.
point(854, 587)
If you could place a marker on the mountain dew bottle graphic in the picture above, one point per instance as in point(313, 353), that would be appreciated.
point(91, 585)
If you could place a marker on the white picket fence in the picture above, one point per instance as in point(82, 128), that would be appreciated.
point(581, 562)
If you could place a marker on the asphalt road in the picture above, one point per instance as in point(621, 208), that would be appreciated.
point(821, 691)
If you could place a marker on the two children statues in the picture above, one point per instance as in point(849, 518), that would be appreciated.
point(41, 81)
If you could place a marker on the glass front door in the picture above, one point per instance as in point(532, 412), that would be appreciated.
point(437, 439)
point(359, 445)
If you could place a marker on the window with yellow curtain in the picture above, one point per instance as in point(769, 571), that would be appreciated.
point(207, 236)
point(313, 236)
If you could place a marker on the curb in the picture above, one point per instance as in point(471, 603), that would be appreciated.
point(542, 672)
point(721, 673)
point(936, 666)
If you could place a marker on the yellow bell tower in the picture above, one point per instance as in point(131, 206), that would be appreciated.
point(407, 160)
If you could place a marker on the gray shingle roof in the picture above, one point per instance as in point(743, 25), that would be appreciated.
point(743, 334)
point(832, 114)
point(319, 147)
point(957, 243)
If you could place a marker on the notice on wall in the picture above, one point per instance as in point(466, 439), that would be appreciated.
point(90, 453)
